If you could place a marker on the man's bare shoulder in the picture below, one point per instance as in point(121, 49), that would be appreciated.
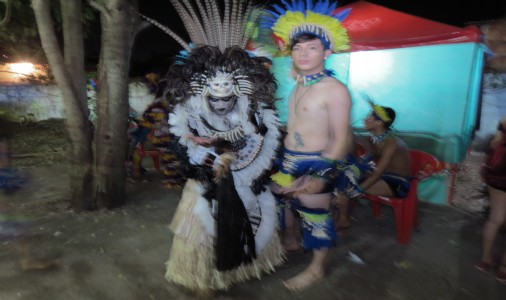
point(400, 142)
point(332, 82)
point(334, 89)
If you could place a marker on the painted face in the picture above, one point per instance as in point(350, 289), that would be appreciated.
point(309, 57)
point(221, 85)
point(222, 106)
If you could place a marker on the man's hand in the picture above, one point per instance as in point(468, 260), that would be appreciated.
point(304, 185)
point(203, 141)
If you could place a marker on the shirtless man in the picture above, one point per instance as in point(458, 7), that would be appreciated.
point(393, 164)
point(318, 139)
point(391, 175)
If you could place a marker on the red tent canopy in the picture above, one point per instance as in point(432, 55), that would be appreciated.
point(374, 27)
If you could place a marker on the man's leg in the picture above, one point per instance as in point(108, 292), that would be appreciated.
point(314, 271)
point(380, 188)
point(341, 212)
point(288, 222)
point(319, 236)
point(291, 239)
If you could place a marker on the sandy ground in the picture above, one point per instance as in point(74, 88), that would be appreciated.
point(120, 254)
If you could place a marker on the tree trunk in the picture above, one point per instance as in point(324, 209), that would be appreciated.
point(69, 74)
point(119, 26)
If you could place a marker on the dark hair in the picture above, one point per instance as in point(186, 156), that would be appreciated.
point(304, 37)
point(391, 115)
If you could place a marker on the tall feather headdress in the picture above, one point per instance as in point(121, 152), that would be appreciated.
point(207, 24)
point(305, 16)
point(218, 40)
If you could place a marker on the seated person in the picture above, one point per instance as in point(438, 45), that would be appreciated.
point(391, 174)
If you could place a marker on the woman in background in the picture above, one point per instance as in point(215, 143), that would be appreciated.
point(494, 175)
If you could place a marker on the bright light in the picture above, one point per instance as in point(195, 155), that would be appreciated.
point(371, 67)
point(22, 68)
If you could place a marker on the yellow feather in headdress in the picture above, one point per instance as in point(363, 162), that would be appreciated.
point(305, 17)
point(294, 22)
point(381, 113)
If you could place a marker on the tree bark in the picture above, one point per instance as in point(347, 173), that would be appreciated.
point(69, 74)
point(119, 26)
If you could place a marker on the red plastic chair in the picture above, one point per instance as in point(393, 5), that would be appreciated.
point(423, 165)
point(154, 154)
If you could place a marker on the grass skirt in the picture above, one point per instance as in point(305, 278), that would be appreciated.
point(192, 257)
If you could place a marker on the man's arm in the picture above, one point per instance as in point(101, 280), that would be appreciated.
point(386, 158)
point(339, 108)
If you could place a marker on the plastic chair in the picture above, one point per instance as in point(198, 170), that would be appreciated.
point(407, 219)
point(154, 154)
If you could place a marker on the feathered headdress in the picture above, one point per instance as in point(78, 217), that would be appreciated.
point(209, 25)
point(304, 16)
point(385, 114)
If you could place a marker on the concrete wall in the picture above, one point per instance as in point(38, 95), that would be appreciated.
point(45, 102)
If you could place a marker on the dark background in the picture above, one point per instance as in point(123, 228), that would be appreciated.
point(154, 49)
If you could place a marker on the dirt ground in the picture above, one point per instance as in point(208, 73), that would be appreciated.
point(120, 254)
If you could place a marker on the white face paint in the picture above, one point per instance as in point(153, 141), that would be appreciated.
point(221, 85)
point(222, 106)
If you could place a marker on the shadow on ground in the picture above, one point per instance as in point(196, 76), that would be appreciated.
point(120, 254)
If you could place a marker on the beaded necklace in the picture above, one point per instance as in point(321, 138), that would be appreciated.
point(308, 80)
point(378, 139)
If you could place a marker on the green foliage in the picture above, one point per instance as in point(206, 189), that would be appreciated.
point(19, 38)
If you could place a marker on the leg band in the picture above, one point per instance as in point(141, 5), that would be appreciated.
point(318, 228)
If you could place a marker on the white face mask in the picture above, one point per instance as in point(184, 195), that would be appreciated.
point(222, 106)
point(221, 85)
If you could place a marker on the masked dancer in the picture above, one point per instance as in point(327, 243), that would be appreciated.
point(227, 132)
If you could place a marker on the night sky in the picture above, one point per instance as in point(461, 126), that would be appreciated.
point(154, 49)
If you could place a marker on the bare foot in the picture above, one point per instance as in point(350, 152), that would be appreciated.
point(303, 280)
